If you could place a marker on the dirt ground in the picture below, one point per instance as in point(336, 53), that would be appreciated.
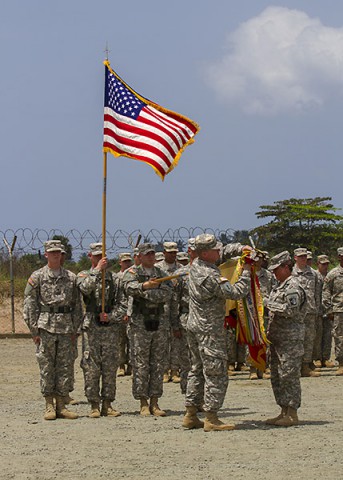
point(135, 447)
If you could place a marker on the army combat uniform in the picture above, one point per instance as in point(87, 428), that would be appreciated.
point(100, 355)
point(149, 324)
point(333, 304)
point(52, 311)
point(286, 333)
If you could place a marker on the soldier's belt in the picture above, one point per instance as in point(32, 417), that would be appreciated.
point(55, 309)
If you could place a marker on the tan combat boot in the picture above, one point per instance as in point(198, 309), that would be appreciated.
point(190, 420)
point(271, 421)
point(155, 409)
point(175, 376)
point(95, 410)
point(68, 400)
point(145, 411)
point(290, 419)
point(212, 423)
point(50, 412)
point(253, 374)
point(107, 410)
point(231, 369)
point(329, 363)
point(307, 372)
point(121, 371)
point(62, 411)
point(166, 377)
point(339, 372)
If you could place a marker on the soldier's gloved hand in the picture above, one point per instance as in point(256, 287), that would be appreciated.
point(104, 318)
point(150, 284)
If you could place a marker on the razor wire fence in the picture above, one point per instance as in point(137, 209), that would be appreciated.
point(31, 241)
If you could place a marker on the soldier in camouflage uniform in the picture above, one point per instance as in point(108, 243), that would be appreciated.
point(172, 363)
point(323, 340)
point(182, 299)
point(149, 324)
point(309, 281)
point(333, 306)
point(125, 262)
point(286, 332)
point(52, 311)
point(208, 292)
point(100, 334)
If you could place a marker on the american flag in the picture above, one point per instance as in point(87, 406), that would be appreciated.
point(138, 128)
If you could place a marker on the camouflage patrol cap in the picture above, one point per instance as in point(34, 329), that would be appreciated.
point(145, 248)
point(182, 256)
point(53, 246)
point(279, 259)
point(340, 251)
point(95, 248)
point(206, 241)
point(63, 249)
point(170, 247)
point(124, 256)
point(309, 255)
point(159, 256)
point(323, 259)
point(298, 252)
point(191, 243)
point(135, 251)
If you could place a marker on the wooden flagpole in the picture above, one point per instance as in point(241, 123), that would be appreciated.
point(104, 231)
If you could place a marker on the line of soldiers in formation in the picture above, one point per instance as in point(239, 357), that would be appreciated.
point(174, 329)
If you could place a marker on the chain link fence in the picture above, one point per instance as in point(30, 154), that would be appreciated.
point(31, 241)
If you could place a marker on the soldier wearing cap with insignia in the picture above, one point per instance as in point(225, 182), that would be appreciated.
point(286, 332)
point(323, 340)
point(333, 306)
point(100, 334)
point(125, 262)
point(172, 364)
point(183, 258)
point(149, 324)
point(52, 311)
point(208, 292)
point(309, 281)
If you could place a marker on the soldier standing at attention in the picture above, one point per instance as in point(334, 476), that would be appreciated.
point(333, 306)
point(52, 311)
point(208, 292)
point(172, 364)
point(125, 262)
point(100, 335)
point(309, 281)
point(286, 333)
point(149, 324)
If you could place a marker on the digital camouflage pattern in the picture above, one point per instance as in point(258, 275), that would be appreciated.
point(150, 309)
point(122, 310)
point(99, 341)
point(286, 333)
point(333, 303)
point(208, 292)
point(47, 295)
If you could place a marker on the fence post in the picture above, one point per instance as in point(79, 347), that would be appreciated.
point(10, 252)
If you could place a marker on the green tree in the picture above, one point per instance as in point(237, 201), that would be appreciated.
point(308, 222)
point(67, 245)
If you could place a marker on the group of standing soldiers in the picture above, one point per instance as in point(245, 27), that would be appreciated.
point(160, 327)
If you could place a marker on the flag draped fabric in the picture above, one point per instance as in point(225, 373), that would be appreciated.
point(248, 321)
point(140, 129)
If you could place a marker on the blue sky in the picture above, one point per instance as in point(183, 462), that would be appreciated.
point(263, 79)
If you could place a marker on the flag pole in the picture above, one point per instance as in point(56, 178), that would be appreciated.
point(104, 231)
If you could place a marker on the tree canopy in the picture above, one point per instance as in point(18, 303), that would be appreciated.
point(307, 222)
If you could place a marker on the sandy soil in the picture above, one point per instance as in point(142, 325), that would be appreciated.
point(135, 447)
point(6, 316)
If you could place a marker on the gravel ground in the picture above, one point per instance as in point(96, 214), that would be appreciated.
point(135, 447)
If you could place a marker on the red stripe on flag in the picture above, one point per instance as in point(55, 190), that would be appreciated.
point(177, 128)
point(136, 157)
point(140, 131)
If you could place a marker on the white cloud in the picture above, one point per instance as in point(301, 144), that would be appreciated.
point(280, 61)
